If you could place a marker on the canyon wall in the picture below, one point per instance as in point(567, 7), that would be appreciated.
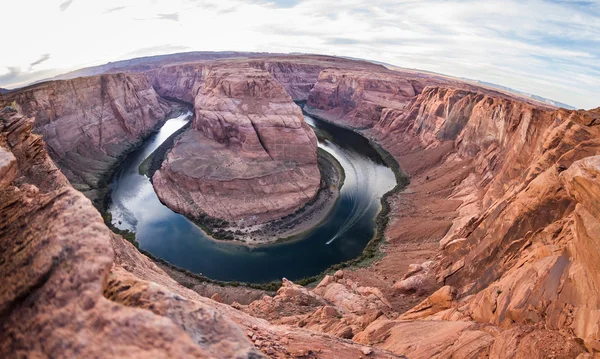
point(89, 123)
point(356, 97)
point(520, 243)
point(249, 155)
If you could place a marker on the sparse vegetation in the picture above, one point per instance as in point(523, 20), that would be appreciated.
point(270, 286)
point(153, 162)
point(128, 235)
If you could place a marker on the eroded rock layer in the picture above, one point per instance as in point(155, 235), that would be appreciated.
point(249, 155)
point(71, 288)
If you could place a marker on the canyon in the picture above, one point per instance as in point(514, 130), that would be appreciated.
point(489, 252)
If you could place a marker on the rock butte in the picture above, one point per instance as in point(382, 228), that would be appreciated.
point(249, 155)
point(503, 201)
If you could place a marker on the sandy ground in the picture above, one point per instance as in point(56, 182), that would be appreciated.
point(421, 216)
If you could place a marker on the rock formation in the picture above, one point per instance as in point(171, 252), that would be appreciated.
point(515, 249)
point(249, 155)
point(491, 251)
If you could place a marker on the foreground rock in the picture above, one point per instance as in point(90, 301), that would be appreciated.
point(249, 156)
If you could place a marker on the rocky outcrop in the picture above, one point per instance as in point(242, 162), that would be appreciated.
point(249, 157)
point(181, 82)
point(56, 257)
point(299, 74)
point(355, 98)
point(89, 123)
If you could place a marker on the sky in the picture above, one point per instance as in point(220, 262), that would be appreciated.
point(547, 48)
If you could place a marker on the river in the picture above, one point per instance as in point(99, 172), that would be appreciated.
point(340, 237)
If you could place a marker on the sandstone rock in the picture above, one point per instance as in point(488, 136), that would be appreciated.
point(524, 251)
point(410, 285)
point(442, 299)
point(328, 312)
point(412, 269)
point(250, 156)
point(357, 96)
point(325, 281)
point(56, 260)
point(366, 350)
point(345, 299)
point(70, 272)
point(217, 298)
point(89, 123)
point(8, 167)
point(581, 181)
point(345, 332)
point(427, 339)
point(291, 300)
point(339, 275)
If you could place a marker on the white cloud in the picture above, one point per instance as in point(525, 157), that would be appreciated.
point(550, 48)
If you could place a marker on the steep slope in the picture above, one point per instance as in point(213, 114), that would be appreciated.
point(57, 258)
point(89, 123)
point(249, 156)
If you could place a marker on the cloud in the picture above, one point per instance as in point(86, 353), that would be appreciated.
point(17, 78)
point(114, 9)
point(547, 47)
point(42, 58)
point(65, 5)
point(342, 41)
point(173, 16)
point(13, 74)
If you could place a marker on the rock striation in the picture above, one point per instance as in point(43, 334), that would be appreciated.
point(74, 289)
point(249, 156)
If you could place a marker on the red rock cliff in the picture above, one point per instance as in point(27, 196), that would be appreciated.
point(508, 187)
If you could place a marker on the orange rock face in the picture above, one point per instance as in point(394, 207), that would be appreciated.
point(515, 250)
point(71, 288)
